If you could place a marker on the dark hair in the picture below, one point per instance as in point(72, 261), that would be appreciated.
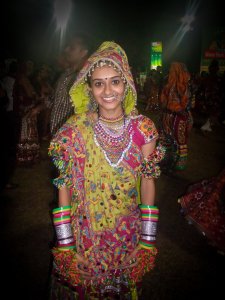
point(85, 39)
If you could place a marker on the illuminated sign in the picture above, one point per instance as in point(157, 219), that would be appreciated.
point(157, 47)
point(156, 54)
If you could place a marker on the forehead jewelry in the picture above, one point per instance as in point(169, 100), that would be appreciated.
point(100, 64)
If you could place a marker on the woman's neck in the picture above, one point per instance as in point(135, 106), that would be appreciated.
point(111, 115)
point(111, 119)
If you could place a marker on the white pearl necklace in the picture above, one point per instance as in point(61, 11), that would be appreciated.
point(114, 144)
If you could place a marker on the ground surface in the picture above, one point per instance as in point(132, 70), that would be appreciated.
point(186, 267)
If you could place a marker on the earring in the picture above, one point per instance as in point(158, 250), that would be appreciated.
point(93, 103)
point(124, 96)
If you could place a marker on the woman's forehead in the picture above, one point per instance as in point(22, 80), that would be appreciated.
point(103, 72)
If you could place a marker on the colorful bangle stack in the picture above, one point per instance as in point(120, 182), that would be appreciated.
point(149, 219)
point(62, 223)
point(150, 167)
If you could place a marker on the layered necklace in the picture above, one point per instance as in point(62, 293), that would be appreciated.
point(114, 137)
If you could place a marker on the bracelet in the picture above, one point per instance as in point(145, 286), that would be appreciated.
point(150, 167)
point(63, 229)
point(149, 219)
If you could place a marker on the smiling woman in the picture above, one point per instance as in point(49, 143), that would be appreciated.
point(108, 159)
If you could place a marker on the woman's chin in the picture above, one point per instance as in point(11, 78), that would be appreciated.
point(110, 104)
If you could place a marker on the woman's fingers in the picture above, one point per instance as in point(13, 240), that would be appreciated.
point(85, 275)
point(132, 255)
point(81, 259)
point(83, 265)
point(132, 259)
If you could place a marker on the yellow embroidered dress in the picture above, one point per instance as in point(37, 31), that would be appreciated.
point(106, 220)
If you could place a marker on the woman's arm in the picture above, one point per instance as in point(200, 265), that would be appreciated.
point(147, 191)
point(64, 197)
point(148, 184)
point(149, 212)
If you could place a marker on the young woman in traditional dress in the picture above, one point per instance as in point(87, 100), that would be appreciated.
point(108, 156)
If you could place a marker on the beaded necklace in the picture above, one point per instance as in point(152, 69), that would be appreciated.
point(114, 137)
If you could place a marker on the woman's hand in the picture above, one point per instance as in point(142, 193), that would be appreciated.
point(83, 265)
point(132, 259)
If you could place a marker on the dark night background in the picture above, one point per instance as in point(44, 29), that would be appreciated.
point(28, 30)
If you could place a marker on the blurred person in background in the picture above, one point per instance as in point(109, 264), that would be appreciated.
point(72, 59)
point(176, 104)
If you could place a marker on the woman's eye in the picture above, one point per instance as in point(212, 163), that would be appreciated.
point(116, 82)
point(98, 83)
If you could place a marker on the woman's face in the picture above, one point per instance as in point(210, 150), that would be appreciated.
point(108, 89)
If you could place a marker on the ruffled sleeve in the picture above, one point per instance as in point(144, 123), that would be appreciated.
point(59, 151)
point(150, 166)
point(146, 129)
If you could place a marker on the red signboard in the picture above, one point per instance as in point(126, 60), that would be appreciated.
point(214, 54)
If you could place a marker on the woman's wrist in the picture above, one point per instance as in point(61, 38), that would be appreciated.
point(149, 220)
point(63, 229)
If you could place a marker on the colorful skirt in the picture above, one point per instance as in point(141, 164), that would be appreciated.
point(121, 283)
point(176, 128)
point(204, 206)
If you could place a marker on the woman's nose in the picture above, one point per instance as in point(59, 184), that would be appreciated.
point(108, 88)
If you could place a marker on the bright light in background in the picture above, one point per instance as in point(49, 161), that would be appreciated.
point(186, 26)
point(186, 21)
point(61, 14)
